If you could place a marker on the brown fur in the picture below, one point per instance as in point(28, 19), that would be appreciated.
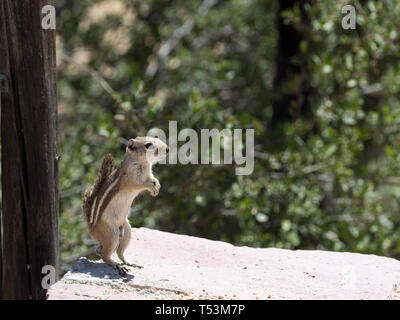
point(90, 193)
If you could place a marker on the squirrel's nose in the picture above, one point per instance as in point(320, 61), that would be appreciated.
point(167, 149)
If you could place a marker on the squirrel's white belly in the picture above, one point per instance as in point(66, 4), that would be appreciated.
point(118, 208)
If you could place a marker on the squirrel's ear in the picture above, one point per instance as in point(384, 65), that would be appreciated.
point(130, 143)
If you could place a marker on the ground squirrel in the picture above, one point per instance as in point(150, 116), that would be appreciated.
point(106, 204)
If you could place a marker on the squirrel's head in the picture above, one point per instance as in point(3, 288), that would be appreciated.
point(147, 149)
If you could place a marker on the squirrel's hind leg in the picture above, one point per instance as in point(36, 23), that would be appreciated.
point(124, 239)
point(108, 236)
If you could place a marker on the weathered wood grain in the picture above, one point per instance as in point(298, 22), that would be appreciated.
point(3, 89)
point(29, 147)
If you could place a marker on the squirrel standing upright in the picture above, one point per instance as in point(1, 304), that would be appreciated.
point(106, 204)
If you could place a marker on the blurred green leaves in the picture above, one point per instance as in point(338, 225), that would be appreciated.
point(327, 181)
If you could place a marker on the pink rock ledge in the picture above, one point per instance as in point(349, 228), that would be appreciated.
point(185, 267)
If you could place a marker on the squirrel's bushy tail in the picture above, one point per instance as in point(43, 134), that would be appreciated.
point(91, 193)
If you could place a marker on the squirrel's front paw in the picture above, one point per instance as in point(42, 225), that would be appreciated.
point(154, 187)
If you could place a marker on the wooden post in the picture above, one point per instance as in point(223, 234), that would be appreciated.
point(3, 89)
point(29, 147)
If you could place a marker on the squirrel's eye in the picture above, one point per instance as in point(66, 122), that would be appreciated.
point(148, 145)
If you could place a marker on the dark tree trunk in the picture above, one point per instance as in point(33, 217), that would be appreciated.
point(1, 248)
point(29, 146)
point(289, 102)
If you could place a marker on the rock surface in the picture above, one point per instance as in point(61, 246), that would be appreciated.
point(184, 267)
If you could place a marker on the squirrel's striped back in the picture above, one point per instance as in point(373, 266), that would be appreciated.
point(90, 195)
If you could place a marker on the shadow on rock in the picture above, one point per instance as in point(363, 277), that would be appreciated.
point(99, 270)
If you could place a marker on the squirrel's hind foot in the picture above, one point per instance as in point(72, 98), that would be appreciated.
point(122, 271)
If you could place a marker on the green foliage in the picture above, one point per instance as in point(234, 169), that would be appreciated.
point(324, 180)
